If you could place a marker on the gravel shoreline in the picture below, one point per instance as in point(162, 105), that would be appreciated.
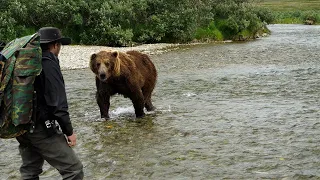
point(77, 57)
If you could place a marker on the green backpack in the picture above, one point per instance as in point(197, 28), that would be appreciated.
point(20, 63)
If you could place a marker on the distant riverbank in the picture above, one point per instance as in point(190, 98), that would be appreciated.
point(77, 56)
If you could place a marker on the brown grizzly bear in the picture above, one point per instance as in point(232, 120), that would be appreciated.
point(131, 74)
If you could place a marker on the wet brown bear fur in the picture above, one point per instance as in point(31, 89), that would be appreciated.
point(131, 74)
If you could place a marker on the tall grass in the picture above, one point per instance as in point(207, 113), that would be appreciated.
point(291, 5)
point(209, 33)
point(293, 11)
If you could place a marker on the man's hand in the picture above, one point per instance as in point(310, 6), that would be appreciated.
point(72, 140)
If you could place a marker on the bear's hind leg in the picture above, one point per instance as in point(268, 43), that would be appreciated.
point(138, 104)
point(147, 99)
point(148, 105)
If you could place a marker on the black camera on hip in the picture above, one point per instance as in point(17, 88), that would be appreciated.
point(52, 127)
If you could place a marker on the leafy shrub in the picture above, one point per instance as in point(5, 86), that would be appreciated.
point(265, 15)
point(127, 22)
point(209, 33)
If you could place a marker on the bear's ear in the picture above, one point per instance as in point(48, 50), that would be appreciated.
point(115, 54)
point(93, 57)
point(92, 63)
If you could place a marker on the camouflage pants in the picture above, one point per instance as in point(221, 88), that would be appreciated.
point(38, 147)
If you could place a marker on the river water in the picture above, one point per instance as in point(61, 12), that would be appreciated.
point(224, 111)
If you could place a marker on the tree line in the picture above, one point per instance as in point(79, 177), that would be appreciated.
point(131, 22)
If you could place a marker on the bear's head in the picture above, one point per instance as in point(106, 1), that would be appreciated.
point(105, 64)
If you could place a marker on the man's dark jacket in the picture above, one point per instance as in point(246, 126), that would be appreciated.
point(51, 94)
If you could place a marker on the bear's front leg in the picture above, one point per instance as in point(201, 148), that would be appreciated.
point(104, 104)
point(104, 111)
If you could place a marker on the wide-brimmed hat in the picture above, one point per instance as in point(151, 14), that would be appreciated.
point(50, 34)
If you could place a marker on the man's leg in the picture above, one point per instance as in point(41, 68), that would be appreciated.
point(32, 161)
point(56, 151)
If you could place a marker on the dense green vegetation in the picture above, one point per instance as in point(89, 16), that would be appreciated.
point(293, 11)
point(129, 22)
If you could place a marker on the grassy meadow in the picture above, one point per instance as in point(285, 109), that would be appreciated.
point(293, 11)
point(290, 5)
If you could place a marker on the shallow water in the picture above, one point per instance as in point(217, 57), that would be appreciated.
point(224, 111)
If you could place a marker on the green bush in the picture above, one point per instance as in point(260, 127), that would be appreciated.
point(7, 27)
point(209, 33)
point(128, 22)
point(264, 14)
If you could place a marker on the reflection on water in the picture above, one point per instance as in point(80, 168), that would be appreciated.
point(234, 111)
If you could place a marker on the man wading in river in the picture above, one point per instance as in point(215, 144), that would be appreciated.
point(53, 135)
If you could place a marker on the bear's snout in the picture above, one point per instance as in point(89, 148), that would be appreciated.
point(102, 76)
point(102, 72)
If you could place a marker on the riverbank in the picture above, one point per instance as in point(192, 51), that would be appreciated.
point(77, 56)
